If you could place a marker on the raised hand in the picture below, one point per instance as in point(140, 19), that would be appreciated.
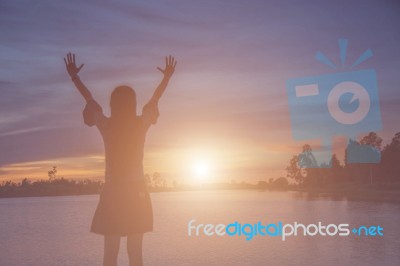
point(72, 69)
point(169, 69)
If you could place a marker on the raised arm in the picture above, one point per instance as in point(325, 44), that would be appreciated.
point(73, 71)
point(169, 69)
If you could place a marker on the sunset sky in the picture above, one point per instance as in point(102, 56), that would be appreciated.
point(226, 105)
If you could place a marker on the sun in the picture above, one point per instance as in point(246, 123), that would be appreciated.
point(201, 169)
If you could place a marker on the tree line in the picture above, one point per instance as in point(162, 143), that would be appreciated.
point(386, 171)
point(60, 186)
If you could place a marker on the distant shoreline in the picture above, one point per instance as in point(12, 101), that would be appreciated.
point(389, 193)
point(356, 192)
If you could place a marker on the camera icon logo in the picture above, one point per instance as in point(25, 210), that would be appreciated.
point(358, 92)
point(337, 104)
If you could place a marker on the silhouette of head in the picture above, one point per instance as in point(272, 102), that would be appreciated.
point(123, 103)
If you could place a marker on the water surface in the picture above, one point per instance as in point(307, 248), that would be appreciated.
point(55, 230)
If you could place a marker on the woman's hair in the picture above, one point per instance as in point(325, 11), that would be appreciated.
point(123, 104)
point(122, 131)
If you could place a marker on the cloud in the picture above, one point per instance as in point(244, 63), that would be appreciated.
point(36, 145)
point(234, 59)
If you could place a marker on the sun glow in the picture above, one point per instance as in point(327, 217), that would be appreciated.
point(201, 165)
point(201, 169)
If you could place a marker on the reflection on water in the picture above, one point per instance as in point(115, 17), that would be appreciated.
point(55, 230)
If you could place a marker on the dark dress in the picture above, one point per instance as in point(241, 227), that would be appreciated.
point(125, 206)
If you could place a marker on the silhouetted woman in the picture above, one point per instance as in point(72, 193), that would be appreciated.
point(125, 207)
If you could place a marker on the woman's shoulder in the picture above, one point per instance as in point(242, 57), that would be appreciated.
point(93, 114)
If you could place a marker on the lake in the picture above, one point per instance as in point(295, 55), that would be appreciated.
point(55, 230)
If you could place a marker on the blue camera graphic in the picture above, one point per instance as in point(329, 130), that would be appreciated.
point(338, 104)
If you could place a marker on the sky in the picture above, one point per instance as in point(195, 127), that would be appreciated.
point(226, 105)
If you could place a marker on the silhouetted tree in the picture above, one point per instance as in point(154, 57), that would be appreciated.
point(336, 171)
point(352, 170)
point(261, 184)
point(293, 171)
point(373, 140)
point(25, 183)
point(390, 162)
point(363, 172)
point(280, 183)
point(157, 179)
point(309, 167)
point(52, 173)
point(148, 180)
